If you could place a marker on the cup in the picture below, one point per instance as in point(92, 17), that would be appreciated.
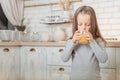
point(83, 39)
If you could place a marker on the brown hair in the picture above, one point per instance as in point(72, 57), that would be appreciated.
point(94, 30)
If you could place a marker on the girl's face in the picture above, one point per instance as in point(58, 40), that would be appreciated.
point(84, 22)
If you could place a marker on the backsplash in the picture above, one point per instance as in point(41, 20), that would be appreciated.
point(107, 11)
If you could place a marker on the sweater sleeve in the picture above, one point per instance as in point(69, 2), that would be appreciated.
point(66, 55)
point(99, 51)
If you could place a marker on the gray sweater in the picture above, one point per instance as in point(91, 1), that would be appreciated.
point(86, 58)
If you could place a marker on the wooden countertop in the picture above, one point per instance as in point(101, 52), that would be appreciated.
point(46, 44)
point(51, 44)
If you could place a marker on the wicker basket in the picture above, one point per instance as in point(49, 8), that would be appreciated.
point(20, 28)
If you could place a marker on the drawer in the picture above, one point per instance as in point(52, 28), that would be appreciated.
point(54, 56)
point(9, 50)
point(31, 49)
point(58, 73)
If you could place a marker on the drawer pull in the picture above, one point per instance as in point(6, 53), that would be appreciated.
point(32, 50)
point(6, 50)
point(60, 50)
point(61, 69)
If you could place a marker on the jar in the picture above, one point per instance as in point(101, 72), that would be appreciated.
point(59, 34)
point(35, 36)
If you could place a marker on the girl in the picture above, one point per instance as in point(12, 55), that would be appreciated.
point(86, 57)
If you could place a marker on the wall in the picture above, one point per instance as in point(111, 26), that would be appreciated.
point(107, 11)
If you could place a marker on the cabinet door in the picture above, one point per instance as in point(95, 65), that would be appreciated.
point(58, 73)
point(9, 63)
point(54, 56)
point(111, 62)
point(108, 74)
point(33, 63)
point(118, 63)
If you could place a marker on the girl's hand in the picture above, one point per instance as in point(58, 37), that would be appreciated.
point(76, 36)
point(89, 37)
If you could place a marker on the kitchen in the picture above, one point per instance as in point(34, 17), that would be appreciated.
point(35, 53)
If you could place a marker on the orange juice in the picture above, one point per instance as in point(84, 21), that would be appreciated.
point(83, 39)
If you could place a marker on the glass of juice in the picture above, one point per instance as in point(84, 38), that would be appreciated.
point(83, 39)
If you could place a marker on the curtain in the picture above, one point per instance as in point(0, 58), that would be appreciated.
point(3, 18)
point(13, 10)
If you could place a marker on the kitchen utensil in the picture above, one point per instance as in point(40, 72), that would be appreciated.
point(61, 4)
point(67, 4)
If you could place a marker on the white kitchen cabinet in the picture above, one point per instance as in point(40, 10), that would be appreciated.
point(44, 63)
point(108, 74)
point(111, 62)
point(58, 72)
point(108, 69)
point(54, 56)
point(56, 68)
point(118, 63)
point(33, 63)
point(9, 63)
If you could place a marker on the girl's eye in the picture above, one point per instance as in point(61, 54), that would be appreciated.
point(87, 24)
point(79, 24)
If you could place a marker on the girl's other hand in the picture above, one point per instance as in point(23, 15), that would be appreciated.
point(89, 37)
point(76, 36)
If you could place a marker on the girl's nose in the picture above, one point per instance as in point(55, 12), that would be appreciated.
point(84, 27)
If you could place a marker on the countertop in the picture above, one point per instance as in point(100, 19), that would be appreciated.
point(51, 44)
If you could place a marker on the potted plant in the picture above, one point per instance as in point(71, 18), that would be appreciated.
point(22, 26)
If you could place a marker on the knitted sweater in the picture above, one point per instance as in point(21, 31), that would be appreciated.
point(86, 58)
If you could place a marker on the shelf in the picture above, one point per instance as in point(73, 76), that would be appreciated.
point(61, 43)
point(33, 3)
point(59, 22)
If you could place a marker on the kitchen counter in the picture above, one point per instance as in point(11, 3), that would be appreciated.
point(32, 43)
point(50, 44)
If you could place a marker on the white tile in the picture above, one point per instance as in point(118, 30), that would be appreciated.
point(114, 21)
point(99, 10)
point(102, 21)
point(116, 15)
point(106, 4)
point(77, 5)
point(104, 15)
point(117, 3)
point(111, 9)
point(115, 27)
point(105, 27)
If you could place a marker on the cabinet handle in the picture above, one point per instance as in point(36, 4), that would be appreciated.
point(32, 50)
point(61, 50)
point(61, 69)
point(6, 50)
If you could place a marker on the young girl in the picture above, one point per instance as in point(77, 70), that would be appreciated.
point(86, 56)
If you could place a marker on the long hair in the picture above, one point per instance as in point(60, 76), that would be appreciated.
point(94, 30)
